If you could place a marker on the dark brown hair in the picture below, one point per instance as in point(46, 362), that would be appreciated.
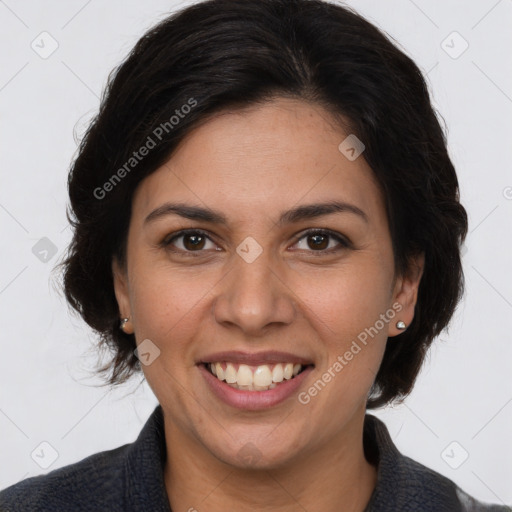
point(221, 54)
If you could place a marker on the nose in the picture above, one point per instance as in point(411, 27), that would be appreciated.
point(253, 296)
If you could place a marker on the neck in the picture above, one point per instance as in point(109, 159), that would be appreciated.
point(334, 477)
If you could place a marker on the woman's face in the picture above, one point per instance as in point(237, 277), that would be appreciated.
point(256, 290)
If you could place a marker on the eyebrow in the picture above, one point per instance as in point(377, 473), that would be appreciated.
point(304, 212)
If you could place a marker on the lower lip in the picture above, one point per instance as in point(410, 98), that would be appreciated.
point(254, 400)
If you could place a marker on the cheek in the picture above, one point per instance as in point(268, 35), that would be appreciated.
point(346, 301)
point(167, 303)
point(346, 309)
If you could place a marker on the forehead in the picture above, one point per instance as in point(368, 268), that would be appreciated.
point(262, 159)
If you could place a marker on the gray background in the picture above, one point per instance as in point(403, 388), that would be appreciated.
point(462, 403)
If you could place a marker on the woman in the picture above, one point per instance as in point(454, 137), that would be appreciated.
point(267, 224)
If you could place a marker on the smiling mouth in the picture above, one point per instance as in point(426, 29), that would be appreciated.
point(254, 378)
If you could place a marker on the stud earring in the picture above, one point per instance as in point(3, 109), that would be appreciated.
point(124, 321)
point(400, 325)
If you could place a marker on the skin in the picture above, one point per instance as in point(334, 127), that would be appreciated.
point(251, 165)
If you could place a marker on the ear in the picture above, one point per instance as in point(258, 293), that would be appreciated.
point(121, 291)
point(405, 293)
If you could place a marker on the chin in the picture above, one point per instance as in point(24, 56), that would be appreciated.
point(248, 453)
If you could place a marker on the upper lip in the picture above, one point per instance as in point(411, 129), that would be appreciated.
point(255, 359)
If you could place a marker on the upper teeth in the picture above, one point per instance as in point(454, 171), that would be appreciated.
point(254, 377)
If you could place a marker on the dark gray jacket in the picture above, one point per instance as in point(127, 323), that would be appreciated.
point(130, 479)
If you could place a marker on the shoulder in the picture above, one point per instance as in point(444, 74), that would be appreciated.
point(94, 483)
point(123, 479)
point(407, 485)
point(441, 493)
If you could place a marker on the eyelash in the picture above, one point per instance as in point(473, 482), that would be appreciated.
point(344, 243)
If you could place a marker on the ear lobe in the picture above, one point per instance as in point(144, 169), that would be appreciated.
point(406, 292)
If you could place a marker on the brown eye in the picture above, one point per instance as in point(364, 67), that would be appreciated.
point(188, 241)
point(323, 241)
point(318, 241)
point(192, 242)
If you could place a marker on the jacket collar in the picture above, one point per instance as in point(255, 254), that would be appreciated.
point(144, 466)
point(402, 483)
